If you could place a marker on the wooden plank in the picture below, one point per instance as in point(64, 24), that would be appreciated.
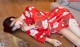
point(29, 39)
point(33, 42)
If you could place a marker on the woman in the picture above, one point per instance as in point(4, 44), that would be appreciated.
point(40, 24)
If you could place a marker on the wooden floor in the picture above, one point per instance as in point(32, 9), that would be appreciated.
point(15, 8)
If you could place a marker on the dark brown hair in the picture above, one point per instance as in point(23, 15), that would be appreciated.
point(6, 25)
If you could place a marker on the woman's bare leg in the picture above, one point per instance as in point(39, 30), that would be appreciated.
point(74, 27)
point(70, 36)
point(55, 42)
point(75, 30)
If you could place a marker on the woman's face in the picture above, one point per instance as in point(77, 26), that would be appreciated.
point(16, 23)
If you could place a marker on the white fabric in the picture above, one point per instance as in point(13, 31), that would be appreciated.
point(64, 2)
point(52, 19)
point(27, 14)
point(75, 5)
point(45, 24)
point(33, 32)
point(65, 13)
point(55, 25)
point(73, 23)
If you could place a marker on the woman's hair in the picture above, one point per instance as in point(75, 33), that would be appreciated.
point(6, 25)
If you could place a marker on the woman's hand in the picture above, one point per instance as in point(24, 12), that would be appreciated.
point(55, 42)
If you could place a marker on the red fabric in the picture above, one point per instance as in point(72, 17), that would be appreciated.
point(40, 46)
point(28, 20)
point(56, 18)
point(60, 18)
point(28, 32)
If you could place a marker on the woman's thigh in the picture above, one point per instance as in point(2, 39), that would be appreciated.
point(74, 27)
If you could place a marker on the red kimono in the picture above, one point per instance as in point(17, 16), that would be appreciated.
point(46, 22)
